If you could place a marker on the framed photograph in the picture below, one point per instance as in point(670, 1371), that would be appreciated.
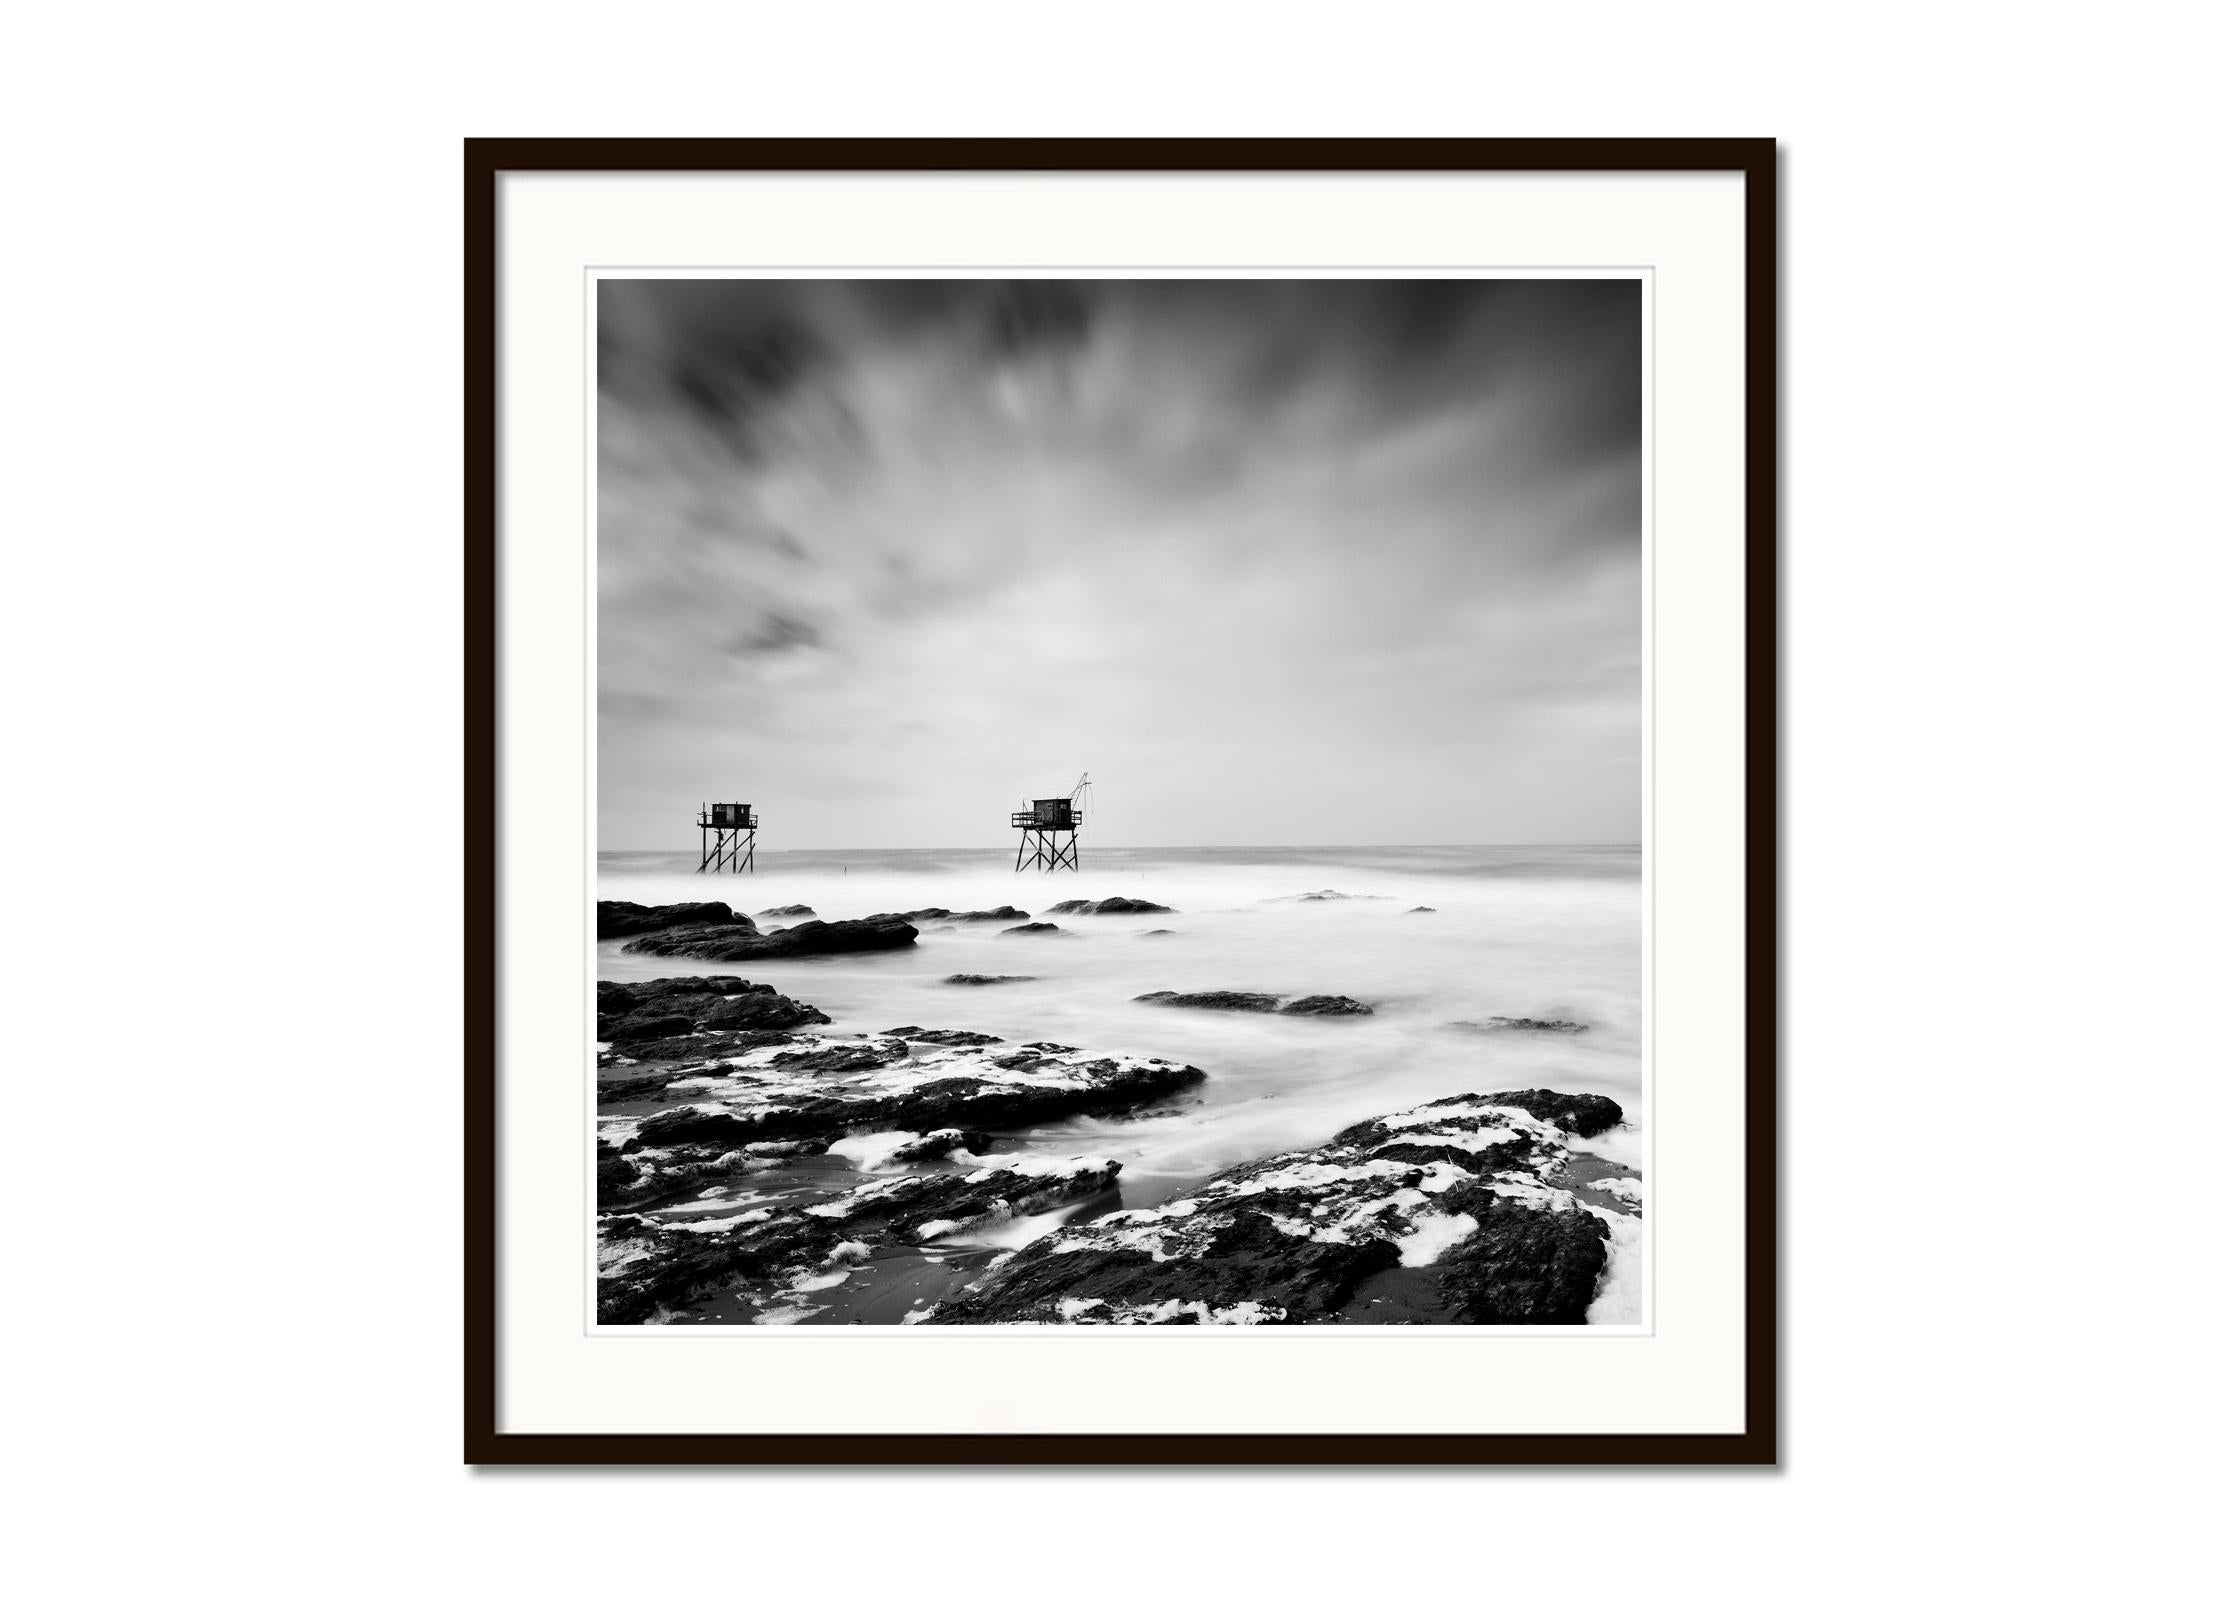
point(1121, 801)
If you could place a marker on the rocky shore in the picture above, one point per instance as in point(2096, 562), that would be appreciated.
point(755, 1164)
point(1464, 1210)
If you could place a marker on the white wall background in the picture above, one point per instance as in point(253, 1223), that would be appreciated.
point(232, 393)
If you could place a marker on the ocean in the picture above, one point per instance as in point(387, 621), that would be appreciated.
point(1543, 932)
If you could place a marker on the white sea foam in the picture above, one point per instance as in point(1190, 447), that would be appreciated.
point(1618, 1299)
point(869, 1151)
point(1014, 1233)
point(1434, 1236)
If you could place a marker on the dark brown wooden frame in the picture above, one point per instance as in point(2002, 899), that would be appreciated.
point(488, 161)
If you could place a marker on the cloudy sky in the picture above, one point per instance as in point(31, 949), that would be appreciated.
point(1290, 562)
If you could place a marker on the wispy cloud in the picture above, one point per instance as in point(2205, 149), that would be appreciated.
point(1286, 562)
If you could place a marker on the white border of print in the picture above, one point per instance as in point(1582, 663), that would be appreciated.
point(1643, 1109)
point(1686, 1377)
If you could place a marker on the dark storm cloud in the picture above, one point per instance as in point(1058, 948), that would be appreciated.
point(1036, 318)
point(956, 539)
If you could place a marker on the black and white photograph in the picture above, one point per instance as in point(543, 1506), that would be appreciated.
point(980, 798)
point(1120, 803)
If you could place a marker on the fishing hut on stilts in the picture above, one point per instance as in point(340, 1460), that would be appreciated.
point(1049, 837)
point(727, 835)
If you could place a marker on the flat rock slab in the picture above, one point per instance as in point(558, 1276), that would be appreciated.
point(918, 1035)
point(615, 998)
point(978, 978)
point(630, 1182)
point(849, 1082)
point(1118, 905)
point(1212, 1000)
point(1468, 1193)
point(1521, 1025)
point(847, 1055)
point(1313, 1005)
point(624, 919)
point(632, 1014)
point(638, 1056)
point(802, 939)
point(651, 1265)
point(1325, 1005)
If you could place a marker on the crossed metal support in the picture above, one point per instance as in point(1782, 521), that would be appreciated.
point(1053, 851)
point(719, 846)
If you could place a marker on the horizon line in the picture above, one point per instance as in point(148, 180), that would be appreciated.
point(1004, 849)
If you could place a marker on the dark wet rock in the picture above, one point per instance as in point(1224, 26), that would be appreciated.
point(641, 1178)
point(802, 939)
point(857, 1082)
point(615, 998)
point(1116, 906)
point(1521, 1025)
point(1583, 1114)
point(786, 911)
point(651, 1264)
point(859, 1056)
point(1211, 1000)
point(636, 1083)
point(665, 989)
point(1537, 1267)
point(691, 1047)
point(980, 978)
point(1313, 1005)
point(633, 1013)
point(941, 914)
point(1036, 927)
point(1412, 910)
point(1467, 1198)
point(628, 1029)
point(1326, 1005)
point(941, 1036)
point(760, 1013)
point(1156, 933)
point(624, 919)
point(618, 1179)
